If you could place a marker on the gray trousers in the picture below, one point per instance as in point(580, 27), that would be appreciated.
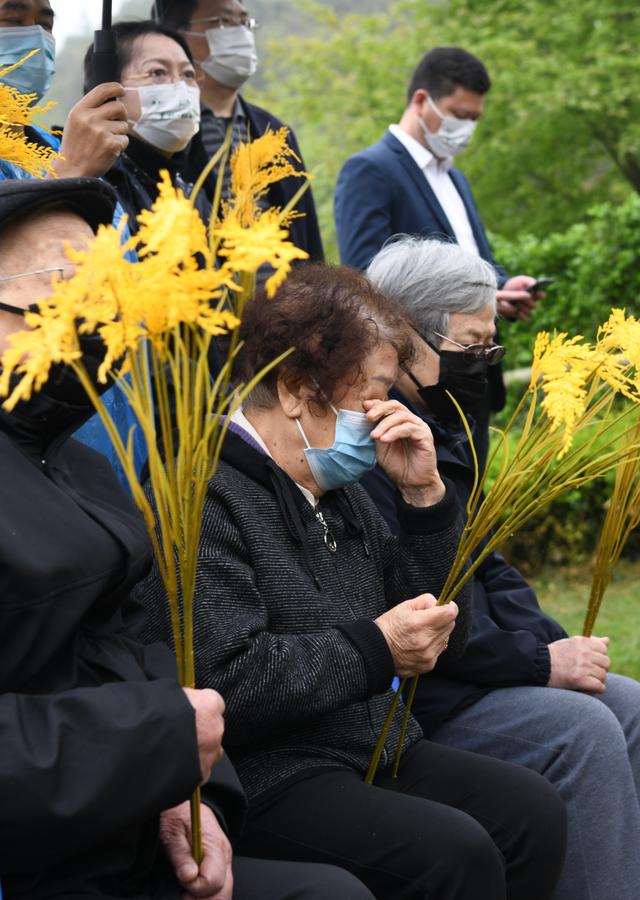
point(588, 747)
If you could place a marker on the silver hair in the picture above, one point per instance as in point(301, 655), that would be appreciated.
point(432, 279)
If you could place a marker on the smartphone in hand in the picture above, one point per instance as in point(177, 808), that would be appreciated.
point(539, 285)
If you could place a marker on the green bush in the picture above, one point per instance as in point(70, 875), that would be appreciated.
point(566, 532)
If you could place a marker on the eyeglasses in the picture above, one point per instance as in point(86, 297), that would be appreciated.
point(58, 269)
point(229, 22)
point(492, 353)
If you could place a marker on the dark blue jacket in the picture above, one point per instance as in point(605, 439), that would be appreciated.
point(381, 192)
point(304, 230)
point(509, 634)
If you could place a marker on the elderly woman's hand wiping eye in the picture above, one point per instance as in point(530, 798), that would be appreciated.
point(406, 452)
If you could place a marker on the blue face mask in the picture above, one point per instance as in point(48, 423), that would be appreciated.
point(36, 74)
point(352, 454)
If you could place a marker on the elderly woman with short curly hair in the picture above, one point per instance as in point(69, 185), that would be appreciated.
point(307, 607)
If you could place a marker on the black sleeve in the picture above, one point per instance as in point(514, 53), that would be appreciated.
point(382, 491)
point(510, 635)
point(79, 767)
point(418, 560)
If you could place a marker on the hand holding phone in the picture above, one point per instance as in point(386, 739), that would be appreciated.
point(539, 285)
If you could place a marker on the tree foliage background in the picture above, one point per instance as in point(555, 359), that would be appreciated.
point(562, 126)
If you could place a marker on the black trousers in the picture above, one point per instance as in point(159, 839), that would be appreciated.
point(453, 826)
point(264, 879)
point(259, 879)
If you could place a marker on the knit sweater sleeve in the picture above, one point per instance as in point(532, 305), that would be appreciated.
point(418, 560)
point(270, 680)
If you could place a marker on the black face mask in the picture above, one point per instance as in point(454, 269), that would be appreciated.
point(465, 378)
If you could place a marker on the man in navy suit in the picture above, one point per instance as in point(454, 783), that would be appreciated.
point(406, 183)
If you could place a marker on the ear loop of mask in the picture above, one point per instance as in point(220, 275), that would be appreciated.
point(331, 406)
point(304, 437)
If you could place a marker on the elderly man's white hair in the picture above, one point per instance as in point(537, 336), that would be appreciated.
point(432, 279)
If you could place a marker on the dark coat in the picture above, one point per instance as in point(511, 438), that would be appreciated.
point(284, 626)
point(96, 737)
point(304, 230)
point(136, 174)
point(508, 644)
point(382, 192)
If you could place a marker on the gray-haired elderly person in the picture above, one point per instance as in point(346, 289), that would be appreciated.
point(523, 691)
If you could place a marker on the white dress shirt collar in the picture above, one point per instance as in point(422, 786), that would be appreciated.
point(418, 152)
point(436, 174)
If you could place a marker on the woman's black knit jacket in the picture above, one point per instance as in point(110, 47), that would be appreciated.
point(284, 626)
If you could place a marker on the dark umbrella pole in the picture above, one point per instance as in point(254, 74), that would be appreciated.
point(105, 49)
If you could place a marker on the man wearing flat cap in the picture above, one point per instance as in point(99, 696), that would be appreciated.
point(100, 748)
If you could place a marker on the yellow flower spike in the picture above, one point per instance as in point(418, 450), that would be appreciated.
point(216, 323)
point(254, 167)
point(264, 242)
point(124, 302)
point(541, 344)
point(619, 337)
point(33, 158)
point(264, 154)
point(563, 367)
point(17, 108)
point(31, 354)
point(172, 228)
point(118, 337)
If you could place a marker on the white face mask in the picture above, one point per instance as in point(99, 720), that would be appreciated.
point(453, 135)
point(232, 56)
point(169, 115)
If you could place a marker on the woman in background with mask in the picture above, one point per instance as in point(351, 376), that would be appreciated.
point(307, 607)
point(162, 99)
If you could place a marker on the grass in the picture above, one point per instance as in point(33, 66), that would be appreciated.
point(563, 594)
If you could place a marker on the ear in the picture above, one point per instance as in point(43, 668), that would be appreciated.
point(293, 397)
point(418, 100)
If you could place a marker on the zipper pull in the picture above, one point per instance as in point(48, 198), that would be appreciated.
point(329, 539)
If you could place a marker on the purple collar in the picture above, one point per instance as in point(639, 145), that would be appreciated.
point(246, 437)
